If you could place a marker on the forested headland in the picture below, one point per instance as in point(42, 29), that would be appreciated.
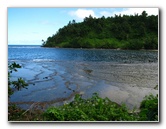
point(119, 32)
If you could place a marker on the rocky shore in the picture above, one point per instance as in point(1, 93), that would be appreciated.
point(55, 83)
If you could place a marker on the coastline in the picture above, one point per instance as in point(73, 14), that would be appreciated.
point(103, 49)
point(121, 83)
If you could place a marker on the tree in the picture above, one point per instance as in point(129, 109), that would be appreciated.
point(73, 21)
point(125, 29)
point(144, 14)
point(44, 43)
point(19, 84)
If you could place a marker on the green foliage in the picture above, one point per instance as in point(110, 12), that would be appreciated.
point(138, 31)
point(99, 109)
point(13, 67)
point(149, 108)
point(13, 112)
point(151, 42)
point(133, 44)
point(20, 83)
point(92, 109)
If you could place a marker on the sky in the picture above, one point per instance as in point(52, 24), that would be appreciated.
point(29, 26)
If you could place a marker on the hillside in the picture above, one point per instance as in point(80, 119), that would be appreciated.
point(125, 32)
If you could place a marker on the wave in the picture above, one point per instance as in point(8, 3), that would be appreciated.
point(43, 60)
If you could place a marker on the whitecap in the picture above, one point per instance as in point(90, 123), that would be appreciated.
point(43, 60)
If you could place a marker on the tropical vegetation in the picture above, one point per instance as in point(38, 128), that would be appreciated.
point(122, 32)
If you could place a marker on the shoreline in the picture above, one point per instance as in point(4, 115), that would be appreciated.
point(103, 49)
point(123, 83)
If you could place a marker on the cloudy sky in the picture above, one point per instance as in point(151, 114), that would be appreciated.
point(30, 25)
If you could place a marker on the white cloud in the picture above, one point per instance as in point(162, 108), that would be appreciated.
point(131, 11)
point(106, 13)
point(82, 13)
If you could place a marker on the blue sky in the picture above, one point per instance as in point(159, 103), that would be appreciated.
point(28, 26)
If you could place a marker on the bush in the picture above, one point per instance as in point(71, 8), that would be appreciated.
point(149, 108)
point(151, 42)
point(92, 109)
point(134, 44)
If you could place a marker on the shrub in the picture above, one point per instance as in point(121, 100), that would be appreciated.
point(92, 109)
point(149, 108)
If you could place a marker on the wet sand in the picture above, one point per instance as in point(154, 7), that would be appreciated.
point(55, 83)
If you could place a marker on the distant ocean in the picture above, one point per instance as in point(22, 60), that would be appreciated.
point(36, 52)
